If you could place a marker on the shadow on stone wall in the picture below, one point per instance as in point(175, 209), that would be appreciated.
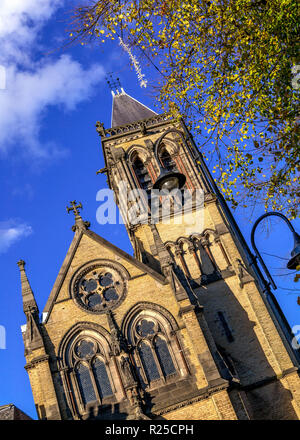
point(239, 345)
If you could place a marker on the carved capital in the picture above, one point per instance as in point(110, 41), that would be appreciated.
point(204, 242)
point(191, 248)
point(178, 251)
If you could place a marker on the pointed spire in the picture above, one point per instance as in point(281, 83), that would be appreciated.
point(29, 303)
point(126, 110)
point(32, 335)
point(79, 223)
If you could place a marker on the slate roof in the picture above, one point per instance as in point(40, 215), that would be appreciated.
point(126, 110)
point(11, 412)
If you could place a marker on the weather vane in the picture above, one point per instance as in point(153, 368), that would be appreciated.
point(114, 84)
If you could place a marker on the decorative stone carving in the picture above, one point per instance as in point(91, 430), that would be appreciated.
point(136, 126)
point(135, 402)
point(204, 242)
point(143, 128)
point(118, 343)
point(127, 371)
point(100, 128)
point(191, 248)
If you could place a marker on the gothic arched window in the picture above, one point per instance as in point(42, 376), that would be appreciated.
point(156, 350)
point(153, 350)
point(91, 376)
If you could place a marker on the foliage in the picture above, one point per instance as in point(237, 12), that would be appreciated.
point(227, 66)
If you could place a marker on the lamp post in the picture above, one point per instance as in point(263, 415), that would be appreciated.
point(295, 254)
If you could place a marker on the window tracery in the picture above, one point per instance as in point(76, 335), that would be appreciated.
point(91, 375)
point(155, 350)
point(99, 286)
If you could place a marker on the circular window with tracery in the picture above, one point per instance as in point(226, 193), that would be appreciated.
point(99, 287)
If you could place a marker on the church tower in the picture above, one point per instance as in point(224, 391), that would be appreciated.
point(184, 329)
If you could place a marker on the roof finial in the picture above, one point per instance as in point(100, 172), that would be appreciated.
point(78, 219)
point(114, 84)
point(75, 208)
point(29, 302)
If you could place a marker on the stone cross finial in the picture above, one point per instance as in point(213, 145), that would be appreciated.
point(79, 223)
point(74, 208)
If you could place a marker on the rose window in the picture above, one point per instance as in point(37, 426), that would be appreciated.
point(97, 288)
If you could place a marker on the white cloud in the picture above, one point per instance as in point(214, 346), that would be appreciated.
point(32, 86)
point(28, 94)
point(20, 21)
point(10, 232)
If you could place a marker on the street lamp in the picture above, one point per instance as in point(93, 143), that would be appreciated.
point(167, 180)
point(295, 254)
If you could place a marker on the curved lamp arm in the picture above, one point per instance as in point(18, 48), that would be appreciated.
point(278, 214)
point(159, 140)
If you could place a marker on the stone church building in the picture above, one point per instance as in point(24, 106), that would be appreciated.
point(185, 329)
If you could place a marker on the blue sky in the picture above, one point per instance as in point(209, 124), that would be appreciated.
point(49, 155)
